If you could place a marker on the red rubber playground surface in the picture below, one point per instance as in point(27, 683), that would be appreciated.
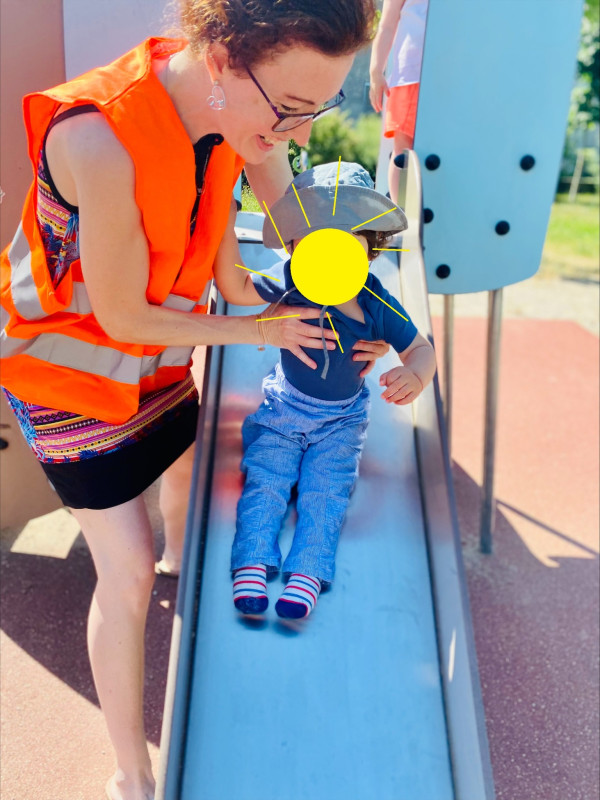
point(534, 601)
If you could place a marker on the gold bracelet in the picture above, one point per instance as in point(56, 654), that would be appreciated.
point(261, 347)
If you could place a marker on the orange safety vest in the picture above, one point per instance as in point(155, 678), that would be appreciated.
point(54, 352)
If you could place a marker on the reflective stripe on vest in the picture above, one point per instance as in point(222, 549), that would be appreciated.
point(24, 291)
point(65, 351)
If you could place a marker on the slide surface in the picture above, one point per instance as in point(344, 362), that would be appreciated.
point(353, 702)
point(347, 704)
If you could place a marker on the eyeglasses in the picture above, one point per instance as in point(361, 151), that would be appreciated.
point(286, 122)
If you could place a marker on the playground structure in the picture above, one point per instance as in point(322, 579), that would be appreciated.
point(446, 754)
point(489, 136)
point(407, 655)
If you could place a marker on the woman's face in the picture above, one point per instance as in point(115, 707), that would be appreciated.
point(297, 81)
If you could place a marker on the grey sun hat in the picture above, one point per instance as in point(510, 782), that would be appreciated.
point(356, 202)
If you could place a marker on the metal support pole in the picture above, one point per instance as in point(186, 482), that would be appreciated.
point(491, 406)
point(448, 362)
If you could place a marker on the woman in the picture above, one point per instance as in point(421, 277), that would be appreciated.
point(103, 284)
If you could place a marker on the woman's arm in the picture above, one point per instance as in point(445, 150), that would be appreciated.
point(86, 157)
point(94, 171)
point(234, 283)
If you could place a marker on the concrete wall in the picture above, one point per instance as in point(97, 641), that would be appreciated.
point(32, 57)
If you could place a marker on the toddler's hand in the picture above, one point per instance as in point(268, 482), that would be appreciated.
point(403, 386)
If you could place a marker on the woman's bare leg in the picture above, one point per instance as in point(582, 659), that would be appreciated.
point(173, 502)
point(121, 544)
point(402, 141)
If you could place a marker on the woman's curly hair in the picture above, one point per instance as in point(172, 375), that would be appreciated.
point(253, 30)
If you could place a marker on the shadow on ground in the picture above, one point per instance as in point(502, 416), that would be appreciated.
point(45, 603)
point(583, 279)
point(535, 630)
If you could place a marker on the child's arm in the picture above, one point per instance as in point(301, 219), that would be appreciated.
point(380, 51)
point(405, 383)
point(234, 283)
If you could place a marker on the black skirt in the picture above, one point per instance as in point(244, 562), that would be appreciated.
point(113, 478)
point(95, 464)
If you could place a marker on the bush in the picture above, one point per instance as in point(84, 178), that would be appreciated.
point(334, 136)
point(367, 131)
point(249, 202)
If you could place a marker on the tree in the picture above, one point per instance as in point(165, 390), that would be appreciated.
point(334, 136)
point(585, 107)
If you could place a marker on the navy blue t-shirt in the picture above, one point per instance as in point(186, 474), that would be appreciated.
point(342, 379)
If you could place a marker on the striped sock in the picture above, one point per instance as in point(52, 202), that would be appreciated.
point(299, 596)
point(250, 589)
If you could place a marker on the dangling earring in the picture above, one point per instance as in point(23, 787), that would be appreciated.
point(217, 99)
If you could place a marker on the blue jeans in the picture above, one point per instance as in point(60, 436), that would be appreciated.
point(294, 438)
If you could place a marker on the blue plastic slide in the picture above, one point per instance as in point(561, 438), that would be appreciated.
point(375, 696)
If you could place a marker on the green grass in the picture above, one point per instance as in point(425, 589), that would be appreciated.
point(249, 202)
point(572, 249)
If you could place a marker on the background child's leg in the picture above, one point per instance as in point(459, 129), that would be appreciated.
point(327, 474)
point(402, 141)
point(400, 120)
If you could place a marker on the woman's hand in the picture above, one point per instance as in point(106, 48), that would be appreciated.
point(402, 386)
point(289, 332)
point(370, 352)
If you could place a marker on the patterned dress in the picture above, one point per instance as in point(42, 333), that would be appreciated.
point(66, 443)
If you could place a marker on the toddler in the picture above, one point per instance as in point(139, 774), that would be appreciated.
point(311, 427)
